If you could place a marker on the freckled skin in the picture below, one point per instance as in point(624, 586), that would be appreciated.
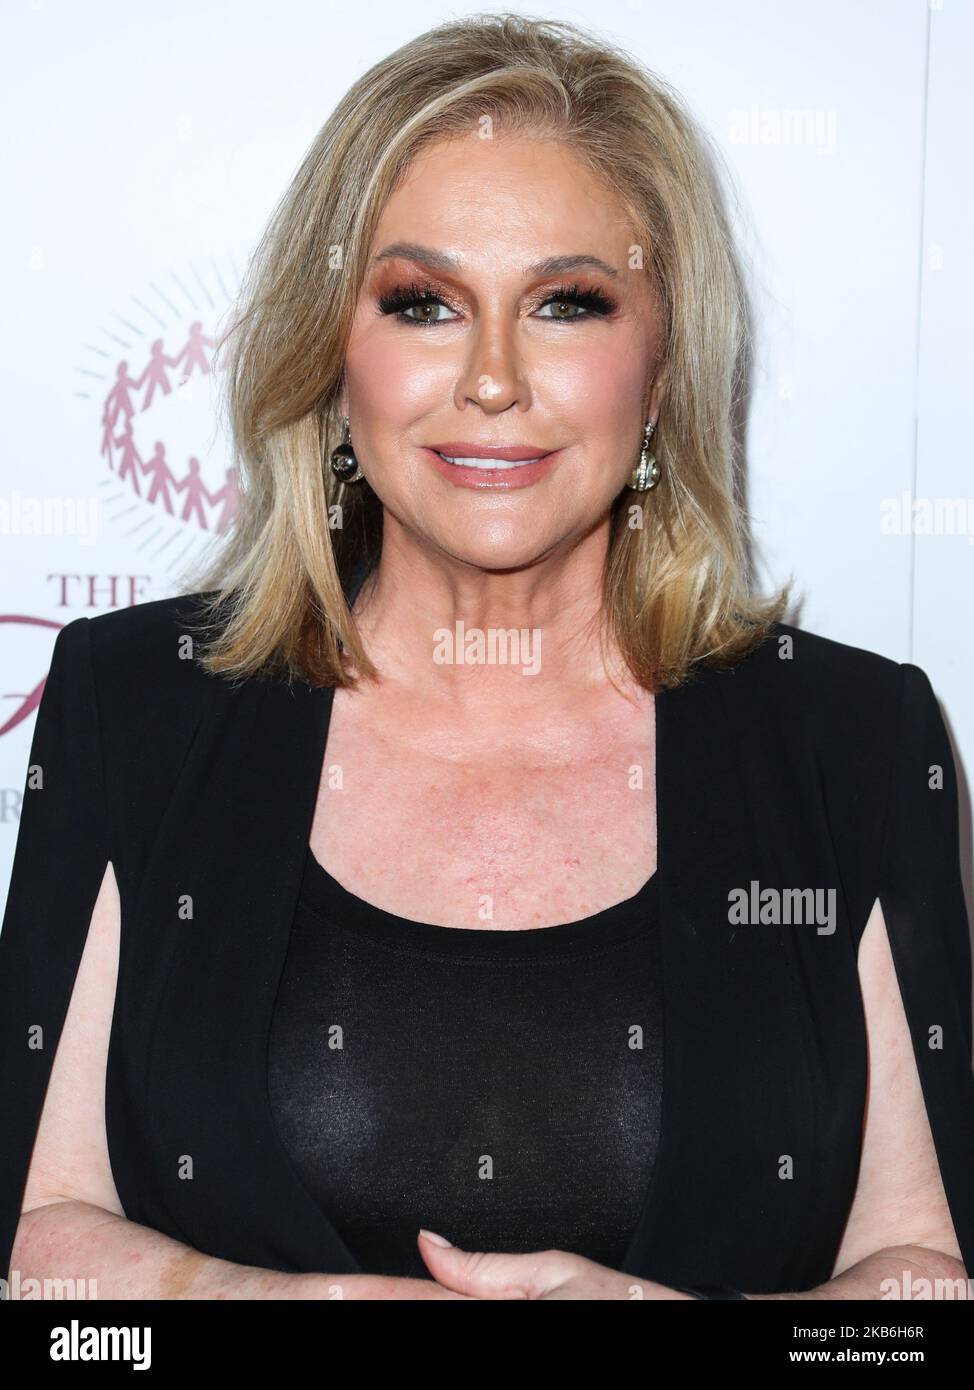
point(469, 780)
point(180, 1274)
point(548, 844)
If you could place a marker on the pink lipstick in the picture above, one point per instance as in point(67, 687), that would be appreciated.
point(468, 464)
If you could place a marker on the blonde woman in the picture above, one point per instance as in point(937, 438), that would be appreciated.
point(468, 852)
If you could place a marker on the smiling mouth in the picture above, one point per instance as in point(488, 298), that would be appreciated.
point(494, 465)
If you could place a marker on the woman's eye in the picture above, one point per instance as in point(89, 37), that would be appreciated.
point(427, 311)
point(558, 305)
point(579, 304)
point(415, 304)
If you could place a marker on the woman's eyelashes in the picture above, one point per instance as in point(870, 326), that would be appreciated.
point(401, 300)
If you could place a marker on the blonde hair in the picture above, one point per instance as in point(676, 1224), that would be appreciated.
point(675, 588)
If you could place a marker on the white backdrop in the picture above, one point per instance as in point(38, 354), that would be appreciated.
point(145, 146)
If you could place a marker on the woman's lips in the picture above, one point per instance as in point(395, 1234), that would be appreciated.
point(504, 475)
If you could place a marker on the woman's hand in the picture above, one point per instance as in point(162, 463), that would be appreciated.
point(546, 1274)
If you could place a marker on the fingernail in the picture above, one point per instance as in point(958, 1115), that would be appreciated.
point(437, 1240)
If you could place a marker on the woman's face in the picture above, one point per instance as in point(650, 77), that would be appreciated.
point(465, 340)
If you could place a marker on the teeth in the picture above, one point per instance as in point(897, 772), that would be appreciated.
point(486, 463)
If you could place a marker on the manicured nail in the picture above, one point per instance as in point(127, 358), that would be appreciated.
point(437, 1240)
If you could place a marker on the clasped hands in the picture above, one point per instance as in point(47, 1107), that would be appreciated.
point(544, 1274)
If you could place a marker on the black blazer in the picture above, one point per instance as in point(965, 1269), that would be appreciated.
point(807, 769)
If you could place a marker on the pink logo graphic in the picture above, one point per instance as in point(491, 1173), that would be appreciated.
point(32, 698)
point(170, 481)
point(149, 470)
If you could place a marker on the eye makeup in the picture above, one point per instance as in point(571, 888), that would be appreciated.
point(423, 295)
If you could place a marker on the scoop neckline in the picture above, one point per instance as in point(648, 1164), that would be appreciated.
point(327, 898)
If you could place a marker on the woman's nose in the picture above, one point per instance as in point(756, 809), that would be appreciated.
point(493, 374)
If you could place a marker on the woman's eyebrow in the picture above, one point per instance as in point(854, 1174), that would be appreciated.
point(441, 260)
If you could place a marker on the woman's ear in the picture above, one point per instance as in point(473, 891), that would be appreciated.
point(656, 394)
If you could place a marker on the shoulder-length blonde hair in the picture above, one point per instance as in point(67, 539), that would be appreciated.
point(675, 586)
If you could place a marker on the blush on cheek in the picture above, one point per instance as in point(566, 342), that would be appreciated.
point(392, 385)
point(598, 392)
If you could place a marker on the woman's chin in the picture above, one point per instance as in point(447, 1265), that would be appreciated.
point(497, 559)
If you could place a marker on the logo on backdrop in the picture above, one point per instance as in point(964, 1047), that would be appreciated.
point(161, 468)
point(171, 477)
point(27, 701)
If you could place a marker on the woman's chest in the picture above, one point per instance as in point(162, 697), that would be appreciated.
point(472, 831)
point(762, 1104)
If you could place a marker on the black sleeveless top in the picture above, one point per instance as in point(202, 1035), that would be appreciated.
point(500, 1087)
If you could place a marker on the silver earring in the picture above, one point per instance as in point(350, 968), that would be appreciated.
point(344, 464)
point(647, 471)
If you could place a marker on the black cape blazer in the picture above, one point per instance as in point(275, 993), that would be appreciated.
point(811, 765)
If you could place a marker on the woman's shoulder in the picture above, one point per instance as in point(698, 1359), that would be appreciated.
point(803, 671)
point(851, 704)
point(815, 717)
point(150, 647)
point(147, 634)
point(792, 650)
point(136, 669)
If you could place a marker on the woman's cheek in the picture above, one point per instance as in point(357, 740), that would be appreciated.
point(595, 388)
point(390, 381)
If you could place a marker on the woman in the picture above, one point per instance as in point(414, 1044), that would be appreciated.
point(469, 851)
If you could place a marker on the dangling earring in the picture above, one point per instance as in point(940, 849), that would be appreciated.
point(647, 471)
point(344, 464)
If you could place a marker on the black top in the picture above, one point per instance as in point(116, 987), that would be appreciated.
point(809, 765)
point(500, 1087)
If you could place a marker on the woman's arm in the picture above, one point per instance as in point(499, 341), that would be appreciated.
point(900, 1272)
point(72, 1225)
point(66, 1241)
point(899, 1227)
point(904, 1272)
